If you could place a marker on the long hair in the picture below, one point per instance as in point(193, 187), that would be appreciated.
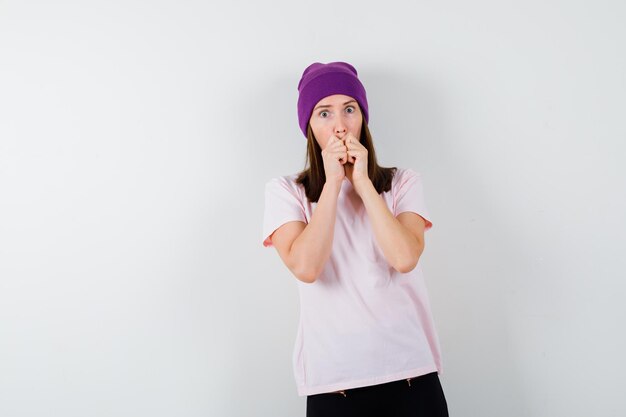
point(313, 177)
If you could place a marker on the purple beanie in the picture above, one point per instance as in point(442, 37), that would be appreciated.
point(322, 80)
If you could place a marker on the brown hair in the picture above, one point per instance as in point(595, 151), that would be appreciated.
point(313, 177)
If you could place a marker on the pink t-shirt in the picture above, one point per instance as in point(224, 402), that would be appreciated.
point(361, 322)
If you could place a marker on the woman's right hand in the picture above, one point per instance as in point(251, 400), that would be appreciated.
point(335, 156)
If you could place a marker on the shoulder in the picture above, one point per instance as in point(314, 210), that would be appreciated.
point(285, 183)
point(404, 175)
point(289, 180)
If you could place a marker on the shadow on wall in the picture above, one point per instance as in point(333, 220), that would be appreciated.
point(409, 126)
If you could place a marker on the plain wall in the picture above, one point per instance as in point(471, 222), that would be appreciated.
point(135, 141)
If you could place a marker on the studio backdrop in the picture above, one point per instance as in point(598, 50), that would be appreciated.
point(136, 139)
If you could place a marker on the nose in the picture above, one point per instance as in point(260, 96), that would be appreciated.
point(340, 129)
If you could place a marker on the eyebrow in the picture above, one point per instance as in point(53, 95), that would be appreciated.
point(328, 105)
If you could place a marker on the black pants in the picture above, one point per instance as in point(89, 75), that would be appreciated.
point(422, 396)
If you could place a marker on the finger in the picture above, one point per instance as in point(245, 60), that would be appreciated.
point(338, 143)
point(352, 155)
point(355, 141)
point(341, 157)
point(332, 141)
point(339, 146)
point(350, 146)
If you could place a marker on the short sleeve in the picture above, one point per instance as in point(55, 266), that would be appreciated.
point(409, 195)
point(282, 204)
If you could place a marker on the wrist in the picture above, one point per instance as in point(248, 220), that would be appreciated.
point(362, 185)
point(333, 185)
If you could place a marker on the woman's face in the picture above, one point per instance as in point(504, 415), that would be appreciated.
point(336, 115)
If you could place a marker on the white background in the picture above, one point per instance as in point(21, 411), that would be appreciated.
point(135, 141)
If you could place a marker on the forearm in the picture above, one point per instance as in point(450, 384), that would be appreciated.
point(312, 248)
point(399, 246)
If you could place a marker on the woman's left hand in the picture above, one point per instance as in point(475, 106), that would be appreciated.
point(356, 168)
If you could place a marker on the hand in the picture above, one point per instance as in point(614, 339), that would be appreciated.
point(356, 168)
point(335, 156)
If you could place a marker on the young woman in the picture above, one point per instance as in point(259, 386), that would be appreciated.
point(352, 233)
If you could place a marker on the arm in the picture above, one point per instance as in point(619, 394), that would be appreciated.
point(305, 249)
point(401, 239)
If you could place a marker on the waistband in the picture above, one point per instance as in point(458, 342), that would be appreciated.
point(382, 386)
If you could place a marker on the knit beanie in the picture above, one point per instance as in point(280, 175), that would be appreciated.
point(322, 80)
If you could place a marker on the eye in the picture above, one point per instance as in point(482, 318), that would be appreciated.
point(351, 107)
point(322, 113)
